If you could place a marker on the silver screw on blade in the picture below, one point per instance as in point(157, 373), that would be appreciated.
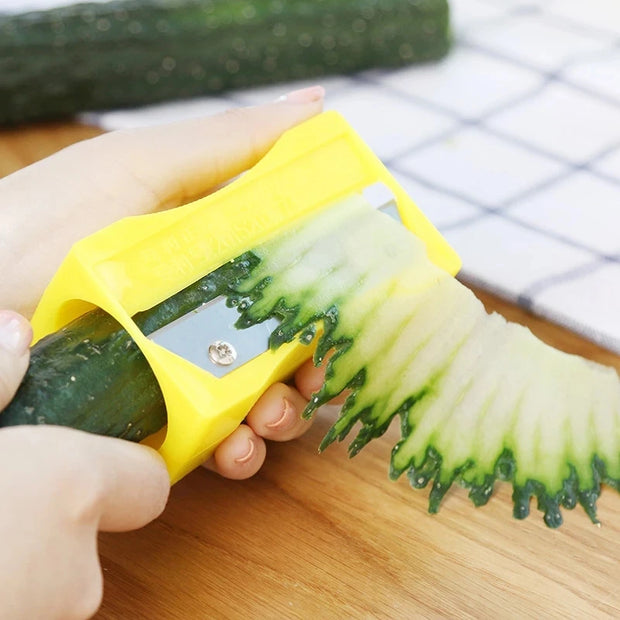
point(222, 353)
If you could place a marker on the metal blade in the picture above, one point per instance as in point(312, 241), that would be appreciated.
point(207, 336)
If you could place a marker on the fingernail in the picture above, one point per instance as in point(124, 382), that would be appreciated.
point(286, 416)
point(15, 332)
point(304, 95)
point(249, 454)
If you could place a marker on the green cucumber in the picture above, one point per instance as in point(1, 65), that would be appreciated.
point(479, 399)
point(92, 376)
point(88, 56)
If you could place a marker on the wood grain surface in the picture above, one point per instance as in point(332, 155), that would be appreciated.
point(325, 536)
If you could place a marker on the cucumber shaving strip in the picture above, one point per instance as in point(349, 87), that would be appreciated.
point(479, 399)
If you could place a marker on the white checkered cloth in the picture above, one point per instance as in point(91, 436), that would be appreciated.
point(511, 145)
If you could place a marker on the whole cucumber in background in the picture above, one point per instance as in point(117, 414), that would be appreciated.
point(87, 56)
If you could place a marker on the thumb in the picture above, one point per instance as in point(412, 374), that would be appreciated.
point(15, 337)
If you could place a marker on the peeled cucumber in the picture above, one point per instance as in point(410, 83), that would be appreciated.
point(479, 399)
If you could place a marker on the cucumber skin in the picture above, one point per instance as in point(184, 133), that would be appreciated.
point(91, 375)
point(56, 63)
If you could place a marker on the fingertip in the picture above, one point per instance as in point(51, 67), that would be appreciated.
point(160, 480)
point(15, 338)
point(145, 488)
point(311, 94)
point(240, 455)
point(277, 415)
point(15, 333)
point(309, 378)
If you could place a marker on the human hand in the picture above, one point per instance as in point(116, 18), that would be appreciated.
point(46, 207)
point(59, 488)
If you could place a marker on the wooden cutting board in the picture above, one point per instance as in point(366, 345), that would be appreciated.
point(331, 537)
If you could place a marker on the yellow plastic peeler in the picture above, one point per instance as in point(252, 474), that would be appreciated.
point(209, 375)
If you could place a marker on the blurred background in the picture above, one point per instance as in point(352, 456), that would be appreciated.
point(501, 118)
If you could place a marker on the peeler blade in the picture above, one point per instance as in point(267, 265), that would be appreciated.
point(380, 196)
point(208, 338)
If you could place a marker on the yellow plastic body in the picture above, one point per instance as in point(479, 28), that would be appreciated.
point(138, 262)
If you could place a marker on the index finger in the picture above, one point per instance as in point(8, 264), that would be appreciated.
point(93, 183)
point(180, 161)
